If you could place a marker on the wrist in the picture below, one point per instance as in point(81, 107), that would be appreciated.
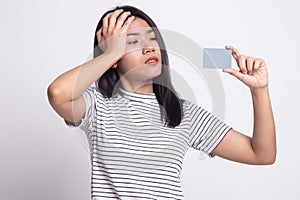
point(112, 57)
point(260, 90)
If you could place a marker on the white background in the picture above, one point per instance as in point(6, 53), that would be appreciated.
point(41, 158)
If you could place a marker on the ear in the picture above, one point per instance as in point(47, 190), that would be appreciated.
point(115, 65)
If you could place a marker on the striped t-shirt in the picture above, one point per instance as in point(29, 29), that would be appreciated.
point(133, 156)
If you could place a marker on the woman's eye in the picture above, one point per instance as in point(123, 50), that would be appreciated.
point(133, 42)
point(154, 38)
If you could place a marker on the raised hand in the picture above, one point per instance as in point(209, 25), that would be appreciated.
point(112, 35)
point(253, 71)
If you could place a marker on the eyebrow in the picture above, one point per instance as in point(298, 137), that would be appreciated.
point(134, 34)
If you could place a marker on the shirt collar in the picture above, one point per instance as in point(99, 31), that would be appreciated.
point(148, 97)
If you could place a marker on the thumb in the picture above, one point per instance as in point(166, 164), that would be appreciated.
point(235, 73)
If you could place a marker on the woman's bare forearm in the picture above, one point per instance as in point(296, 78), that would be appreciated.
point(264, 137)
point(71, 84)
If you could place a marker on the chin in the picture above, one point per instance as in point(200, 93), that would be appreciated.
point(155, 73)
point(149, 77)
point(148, 73)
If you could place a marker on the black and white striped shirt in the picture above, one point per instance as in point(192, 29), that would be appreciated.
point(133, 156)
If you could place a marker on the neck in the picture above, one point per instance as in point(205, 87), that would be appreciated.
point(141, 88)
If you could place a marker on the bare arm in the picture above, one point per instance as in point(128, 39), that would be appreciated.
point(261, 148)
point(65, 92)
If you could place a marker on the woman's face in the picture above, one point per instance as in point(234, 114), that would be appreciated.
point(142, 60)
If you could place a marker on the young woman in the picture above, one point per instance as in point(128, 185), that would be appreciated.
point(138, 129)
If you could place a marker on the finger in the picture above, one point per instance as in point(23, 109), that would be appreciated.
point(249, 65)
point(99, 35)
point(100, 39)
point(122, 19)
point(127, 24)
point(235, 52)
point(112, 20)
point(235, 73)
point(257, 63)
point(241, 61)
point(105, 23)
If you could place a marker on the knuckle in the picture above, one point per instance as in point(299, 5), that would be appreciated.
point(117, 12)
point(241, 57)
point(107, 16)
point(244, 57)
point(114, 31)
point(249, 59)
point(113, 17)
point(121, 18)
point(124, 16)
point(243, 66)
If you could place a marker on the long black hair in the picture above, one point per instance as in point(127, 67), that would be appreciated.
point(171, 105)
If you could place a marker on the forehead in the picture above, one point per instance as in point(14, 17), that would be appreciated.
point(139, 25)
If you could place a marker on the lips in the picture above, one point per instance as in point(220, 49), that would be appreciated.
point(153, 60)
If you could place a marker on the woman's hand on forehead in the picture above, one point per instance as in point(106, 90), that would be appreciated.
point(112, 35)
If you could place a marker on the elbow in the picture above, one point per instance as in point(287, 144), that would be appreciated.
point(268, 160)
point(272, 160)
point(272, 157)
point(55, 95)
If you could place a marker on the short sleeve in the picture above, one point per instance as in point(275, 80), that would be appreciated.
point(86, 122)
point(205, 130)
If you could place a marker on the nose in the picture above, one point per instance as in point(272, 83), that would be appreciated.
point(147, 50)
point(147, 47)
